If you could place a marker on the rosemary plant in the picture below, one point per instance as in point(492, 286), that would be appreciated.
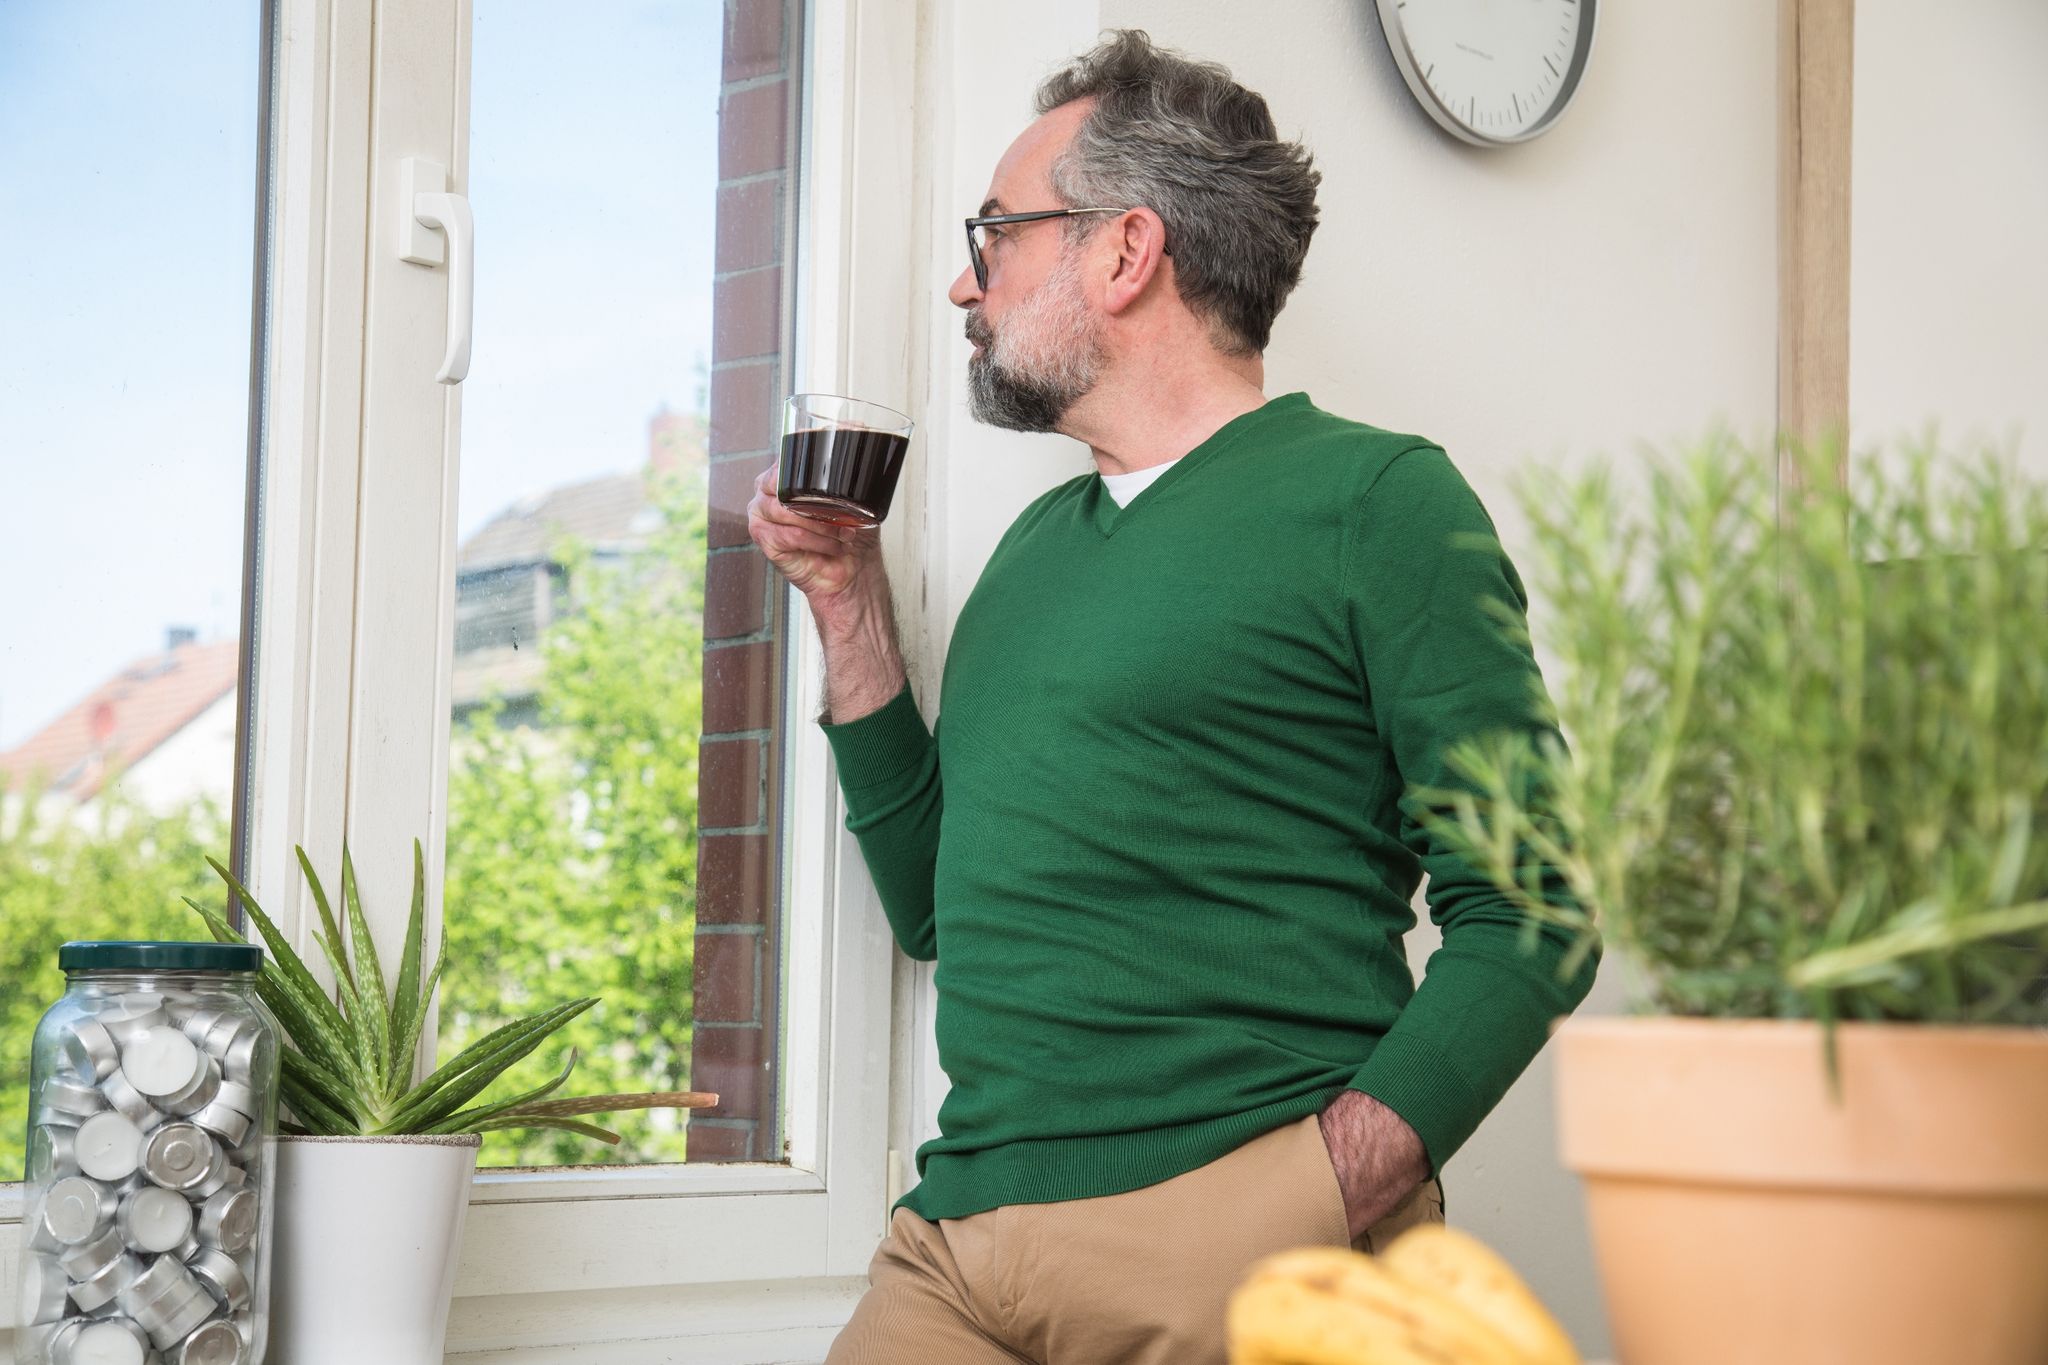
point(1807, 747)
point(348, 1063)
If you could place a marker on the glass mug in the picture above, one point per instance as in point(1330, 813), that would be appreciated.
point(840, 458)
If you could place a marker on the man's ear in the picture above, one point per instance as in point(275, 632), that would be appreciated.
point(1139, 239)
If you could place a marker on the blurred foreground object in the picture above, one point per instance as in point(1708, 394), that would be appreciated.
point(1436, 1296)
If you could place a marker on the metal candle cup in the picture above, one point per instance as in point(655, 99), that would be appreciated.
point(41, 1238)
point(229, 1220)
point(154, 1219)
point(219, 1273)
point(215, 1343)
point(90, 1049)
point(101, 1290)
point(221, 1036)
point(126, 1099)
point(238, 1063)
point(52, 1152)
point(114, 1341)
point(197, 1024)
point(223, 1174)
point(180, 1156)
point(72, 1097)
point(237, 1097)
point(161, 1296)
point(199, 1093)
point(224, 1121)
point(42, 1291)
point(162, 1276)
point(184, 1317)
point(54, 1338)
point(78, 1210)
point(130, 1016)
point(88, 1259)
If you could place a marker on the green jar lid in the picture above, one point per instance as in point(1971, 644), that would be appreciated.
point(173, 956)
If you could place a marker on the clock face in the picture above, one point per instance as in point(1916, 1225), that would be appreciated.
point(1490, 71)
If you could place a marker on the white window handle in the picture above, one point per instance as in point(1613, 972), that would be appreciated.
point(427, 207)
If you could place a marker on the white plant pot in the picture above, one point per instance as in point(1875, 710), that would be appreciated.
point(366, 1237)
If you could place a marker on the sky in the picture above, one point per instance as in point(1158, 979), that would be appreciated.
point(127, 180)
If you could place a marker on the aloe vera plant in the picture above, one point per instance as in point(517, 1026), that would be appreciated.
point(348, 1062)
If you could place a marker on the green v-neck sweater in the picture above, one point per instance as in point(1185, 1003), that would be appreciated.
point(1159, 841)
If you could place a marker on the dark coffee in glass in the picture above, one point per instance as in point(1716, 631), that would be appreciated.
point(840, 458)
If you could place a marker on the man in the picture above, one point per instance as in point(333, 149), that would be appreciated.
point(1159, 841)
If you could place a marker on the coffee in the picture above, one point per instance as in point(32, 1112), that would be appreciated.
point(842, 475)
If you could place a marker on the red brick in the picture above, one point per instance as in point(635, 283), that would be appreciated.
point(753, 38)
point(749, 232)
point(751, 130)
point(735, 594)
point(732, 488)
point(732, 878)
point(746, 315)
point(746, 408)
point(727, 1061)
point(724, 979)
point(740, 688)
point(725, 1142)
point(728, 783)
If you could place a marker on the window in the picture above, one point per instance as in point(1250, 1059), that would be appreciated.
point(416, 584)
point(124, 415)
point(584, 802)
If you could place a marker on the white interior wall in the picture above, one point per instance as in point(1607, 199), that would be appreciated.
point(1613, 281)
point(1948, 266)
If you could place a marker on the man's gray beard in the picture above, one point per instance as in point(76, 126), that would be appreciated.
point(1060, 361)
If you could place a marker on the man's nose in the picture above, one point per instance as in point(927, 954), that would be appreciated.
point(965, 293)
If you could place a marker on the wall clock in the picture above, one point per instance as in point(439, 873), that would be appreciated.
point(1493, 72)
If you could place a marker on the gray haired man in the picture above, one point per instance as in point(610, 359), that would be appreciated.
point(1162, 841)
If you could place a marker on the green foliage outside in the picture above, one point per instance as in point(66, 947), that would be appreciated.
point(120, 874)
point(1809, 762)
point(571, 860)
point(572, 847)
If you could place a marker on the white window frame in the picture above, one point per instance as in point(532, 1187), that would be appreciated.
point(352, 718)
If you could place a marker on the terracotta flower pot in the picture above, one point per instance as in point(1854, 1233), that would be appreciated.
point(1740, 1217)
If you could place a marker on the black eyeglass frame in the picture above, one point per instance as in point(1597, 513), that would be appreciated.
point(999, 219)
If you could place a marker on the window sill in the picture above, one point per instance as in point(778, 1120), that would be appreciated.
point(559, 1183)
point(692, 1234)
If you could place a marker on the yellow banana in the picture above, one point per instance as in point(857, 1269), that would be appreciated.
point(1331, 1306)
point(1463, 1269)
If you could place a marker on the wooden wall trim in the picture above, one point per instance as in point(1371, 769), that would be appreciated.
point(1816, 49)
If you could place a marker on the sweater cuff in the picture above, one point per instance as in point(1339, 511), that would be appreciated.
point(881, 746)
point(1417, 1082)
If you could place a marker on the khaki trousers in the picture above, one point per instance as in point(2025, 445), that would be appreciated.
point(1139, 1278)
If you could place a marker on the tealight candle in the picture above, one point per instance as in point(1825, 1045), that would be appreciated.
point(109, 1146)
point(161, 1061)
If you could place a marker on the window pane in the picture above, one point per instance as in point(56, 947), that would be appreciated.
point(612, 777)
point(128, 137)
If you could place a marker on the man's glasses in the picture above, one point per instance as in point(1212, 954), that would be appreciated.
point(982, 231)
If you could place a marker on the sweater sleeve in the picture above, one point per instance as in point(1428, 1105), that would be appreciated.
point(1438, 667)
point(889, 771)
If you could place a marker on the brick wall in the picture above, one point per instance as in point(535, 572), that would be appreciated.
point(733, 1049)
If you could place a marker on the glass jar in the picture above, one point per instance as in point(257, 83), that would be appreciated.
point(152, 1126)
